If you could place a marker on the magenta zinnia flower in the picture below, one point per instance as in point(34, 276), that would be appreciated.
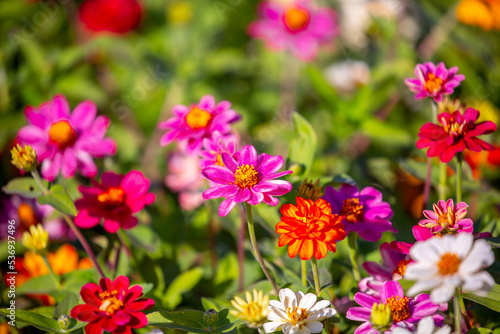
point(66, 142)
point(363, 211)
point(115, 200)
point(456, 133)
point(406, 312)
point(447, 218)
point(434, 81)
point(190, 125)
point(246, 177)
point(216, 145)
point(295, 26)
point(112, 306)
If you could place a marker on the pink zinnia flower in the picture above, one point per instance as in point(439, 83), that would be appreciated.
point(295, 26)
point(434, 81)
point(115, 199)
point(363, 211)
point(246, 177)
point(446, 218)
point(216, 145)
point(66, 143)
point(190, 125)
point(456, 133)
point(112, 306)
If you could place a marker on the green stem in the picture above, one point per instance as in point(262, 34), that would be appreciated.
point(442, 180)
point(52, 274)
point(304, 273)
point(459, 177)
point(256, 252)
point(456, 308)
point(463, 309)
point(351, 238)
point(317, 286)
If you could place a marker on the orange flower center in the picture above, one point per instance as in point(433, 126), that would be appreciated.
point(110, 304)
point(433, 83)
point(296, 18)
point(401, 268)
point(27, 215)
point(246, 176)
point(62, 133)
point(113, 196)
point(198, 118)
point(399, 308)
point(219, 160)
point(352, 210)
point(296, 314)
point(448, 264)
point(455, 128)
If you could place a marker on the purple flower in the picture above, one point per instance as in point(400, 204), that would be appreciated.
point(363, 211)
point(405, 311)
point(190, 125)
point(66, 143)
point(434, 81)
point(214, 147)
point(246, 177)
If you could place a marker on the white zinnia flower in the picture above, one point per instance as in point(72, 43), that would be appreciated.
point(443, 264)
point(425, 326)
point(296, 313)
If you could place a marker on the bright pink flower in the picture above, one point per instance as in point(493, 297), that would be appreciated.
point(215, 146)
point(115, 200)
point(190, 125)
point(66, 143)
point(296, 26)
point(457, 133)
point(117, 16)
point(447, 218)
point(112, 306)
point(434, 81)
point(246, 177)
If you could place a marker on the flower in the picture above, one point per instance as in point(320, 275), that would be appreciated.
point(37, 239)
point(246, 177)
point(481, 13)
point(254, 310)
point(297, 313)
point(190, 125)
point(66, 143)
point(443, 264)
point(116, 16)
point(434, 81)
point(456, 133)
point(309, 190)
point(363, 211)
point(24, 158)
point(214, 146)
point(477, 160)
point(309, 228)
point(425, 326)
point(447, 218)
point(448, 105)
point(114, 199)
point(348, 75)
point(296, 26)
point(405, 311)
point(112, 306)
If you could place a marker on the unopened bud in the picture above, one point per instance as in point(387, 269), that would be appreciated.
point(24, 158)
point(211, 316)
point(64, 321)
point(381, 318)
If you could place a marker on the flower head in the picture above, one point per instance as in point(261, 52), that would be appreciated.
point(112, 306)
point(297, 313)
point(66, 142)
point(446, 218)
point(246, 177)
point(116, 16)
point(425, 326)
point(363, 211)
point(310, 190)
point(190, 125)
point(309, 228)
point(456, 133)
point(214, 146)
point(296, 26)
point(24, 158)
point(434, 81)
point(37, 239)
point(443, 264)
point(480, 13)
point(115, 199)
point(254, 310)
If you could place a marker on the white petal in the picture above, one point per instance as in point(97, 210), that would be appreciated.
point(443, 330)
point(291, 329)
point(319, 305)
point(425, 326)
point(401, 330)
point(420, 270)
point(442, 294)
point(322, 314)
point(279, 313)
point(425, 251)
point(424, 285)
point(481, 256)
point(308, 301)
point(480, 283)
point(462, 244)
point(277, 304)
point(314, 326)
point(303, 330)
point(270, 327)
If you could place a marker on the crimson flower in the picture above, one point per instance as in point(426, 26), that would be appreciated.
point(116, 16)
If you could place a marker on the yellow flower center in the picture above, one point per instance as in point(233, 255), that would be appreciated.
point(112, 196)
point(454, 128)
point(198, 118)
point(246, 176)
point(401, 268)
point(352, 210)
point(110, 304)
point(296, 315)
point(448, 264)
point(399, 308)
point(27, 215)
point(433, 83)
point(219, 160)
point(296, 18)
point(62, 133)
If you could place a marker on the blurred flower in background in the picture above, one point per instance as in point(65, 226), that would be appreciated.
point(480, 13)
point(115, 16)
point(348, 75)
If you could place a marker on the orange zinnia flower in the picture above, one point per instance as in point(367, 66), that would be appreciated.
point(309, 228)
point(482, 13)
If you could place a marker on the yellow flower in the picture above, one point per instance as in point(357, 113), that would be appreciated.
point(254, 310)
point(449, 105)
point(24, 158)
point(482, 13)
point(180, 12)
point(37, 239)
point(488, 112)
point(381, 317)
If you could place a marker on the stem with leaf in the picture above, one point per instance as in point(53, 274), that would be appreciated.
point(351, 238)
point(456, 310)
point(52, 274)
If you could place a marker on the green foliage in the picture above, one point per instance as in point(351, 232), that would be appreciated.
point(23, 186)
point(302, 148)
point(491, 300)
point(43, 322)
point(59, 199)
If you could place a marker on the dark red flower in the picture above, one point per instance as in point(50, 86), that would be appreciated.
point(118, 16)
point(456, 133)
point(112, 306)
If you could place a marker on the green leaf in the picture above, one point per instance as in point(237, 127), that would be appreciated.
point(190, 321)
point(491, 300)
point(302, 148)
point(479, 330)
point(37, 285)
point(495, 242)
point(181, 284)
point(146, 287)
point(34, 319)
point(24, 186)
point(59, 199)
point(65, 305)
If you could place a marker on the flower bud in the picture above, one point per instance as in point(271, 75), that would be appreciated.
point(24, 158)
point(381, 317)
point(37, 239)
point(310, 190)
point(64, 321)
point(211, 316)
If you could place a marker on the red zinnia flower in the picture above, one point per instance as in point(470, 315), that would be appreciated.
point(456, 133)
point(112, 306)
point(309, 228)
point(117, 16)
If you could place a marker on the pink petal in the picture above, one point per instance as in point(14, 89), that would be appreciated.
point(83, 115)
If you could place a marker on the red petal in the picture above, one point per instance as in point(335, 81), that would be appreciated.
point(140, 305)
point(83, 313)
point(90, 294)
point(482, 128)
